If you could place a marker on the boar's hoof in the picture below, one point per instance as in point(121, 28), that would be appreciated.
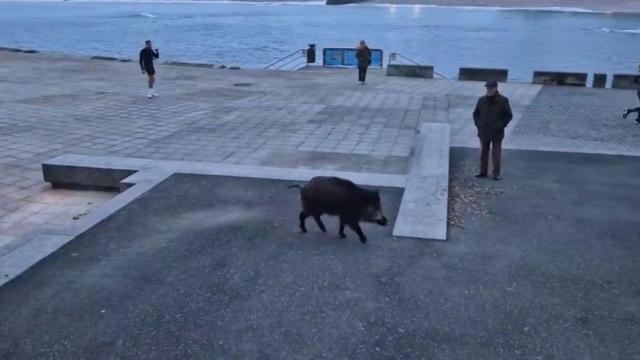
point(342, 235)
point(363, 240)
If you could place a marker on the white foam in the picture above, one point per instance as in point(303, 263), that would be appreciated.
point(621, 31)
point(486, 8)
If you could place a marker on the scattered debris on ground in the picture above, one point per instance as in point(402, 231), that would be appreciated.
point(77, 217)
point(466, 197)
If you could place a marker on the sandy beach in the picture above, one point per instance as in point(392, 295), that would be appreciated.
point(593, 5)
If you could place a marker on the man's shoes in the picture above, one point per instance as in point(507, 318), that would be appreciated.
point(625, 114)
point(496, 177)
point(481, 176)
point(153, 93)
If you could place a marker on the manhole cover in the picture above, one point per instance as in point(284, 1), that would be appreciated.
point(242, 84)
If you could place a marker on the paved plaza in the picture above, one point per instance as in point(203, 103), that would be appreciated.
point(558, 233)
point(320, 119)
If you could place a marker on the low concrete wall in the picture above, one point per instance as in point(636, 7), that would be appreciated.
point(599, 80)
point(419, 71)
point(482, 74)
point(105, 58)
point(182, 63)
point(28, 51)
point(625, 81)
point(560, 78)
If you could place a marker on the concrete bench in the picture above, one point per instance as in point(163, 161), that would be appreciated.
point(560, 78)
point(418, 71)
point(625, 81)
point(599, 81)
point(482, 74)
point(104, 58)
point(188, 64)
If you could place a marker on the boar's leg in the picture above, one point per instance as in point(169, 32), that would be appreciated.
point(341, 231)
point(303, 216)
point(316, 217)
point(356, 227)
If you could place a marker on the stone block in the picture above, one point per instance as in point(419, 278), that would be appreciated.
point(599, 80)
point(560, 78)
point(626, 81)
point(483, 74)
point(418, 71)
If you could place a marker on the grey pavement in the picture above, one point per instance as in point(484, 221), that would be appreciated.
point(318, 119)
point(534, 270)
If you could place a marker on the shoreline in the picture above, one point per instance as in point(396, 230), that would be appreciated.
point(611, 6)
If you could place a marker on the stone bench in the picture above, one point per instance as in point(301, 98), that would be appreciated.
point(599, 81)
point(560, 78)
point(483, 74)
point(625, 81)
point(418, 71)
point(104, 58)
point(189, 64)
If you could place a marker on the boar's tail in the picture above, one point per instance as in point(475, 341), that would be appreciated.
point(295, 186)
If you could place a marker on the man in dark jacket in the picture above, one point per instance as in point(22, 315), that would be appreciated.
point(491, 116)
point(147, 55)
point(363, 54)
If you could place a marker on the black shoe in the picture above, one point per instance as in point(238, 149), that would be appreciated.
point(625, 114)
point(638, 120)
point(481, 176)
point(496, 177)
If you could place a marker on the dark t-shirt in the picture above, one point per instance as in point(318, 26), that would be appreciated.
point(146, 59)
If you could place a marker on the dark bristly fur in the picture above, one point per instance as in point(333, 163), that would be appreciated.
point(342, 198)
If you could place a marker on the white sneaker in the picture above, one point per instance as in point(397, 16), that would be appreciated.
point(153, 93)
point(150, 94)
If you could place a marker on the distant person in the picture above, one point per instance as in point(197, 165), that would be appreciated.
point(634, 110)
point(147, 55)
point(491, 116)
point(363, 54)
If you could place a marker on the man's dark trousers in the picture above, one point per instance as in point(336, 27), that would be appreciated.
point(496, 146)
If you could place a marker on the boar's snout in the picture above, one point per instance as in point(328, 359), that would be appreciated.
point(382, 221)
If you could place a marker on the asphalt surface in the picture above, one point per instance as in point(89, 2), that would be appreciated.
point(544, 264)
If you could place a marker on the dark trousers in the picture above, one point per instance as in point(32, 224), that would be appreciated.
point(635, 110)
point(496, 147)
point(362, 73)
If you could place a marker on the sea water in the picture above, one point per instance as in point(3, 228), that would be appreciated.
point(253, 35)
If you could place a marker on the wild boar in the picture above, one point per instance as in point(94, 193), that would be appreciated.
point(342, 198)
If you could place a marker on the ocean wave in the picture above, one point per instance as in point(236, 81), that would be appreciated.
point(486, 8)
point(318, 2)
point(620, 31)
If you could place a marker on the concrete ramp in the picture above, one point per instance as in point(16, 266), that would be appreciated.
point(423, 210)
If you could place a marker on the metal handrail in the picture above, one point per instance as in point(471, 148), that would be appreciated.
point(300, 52)
point(394, 56)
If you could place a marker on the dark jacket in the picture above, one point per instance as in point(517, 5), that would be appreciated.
point(364, 57)
point(491, 116)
